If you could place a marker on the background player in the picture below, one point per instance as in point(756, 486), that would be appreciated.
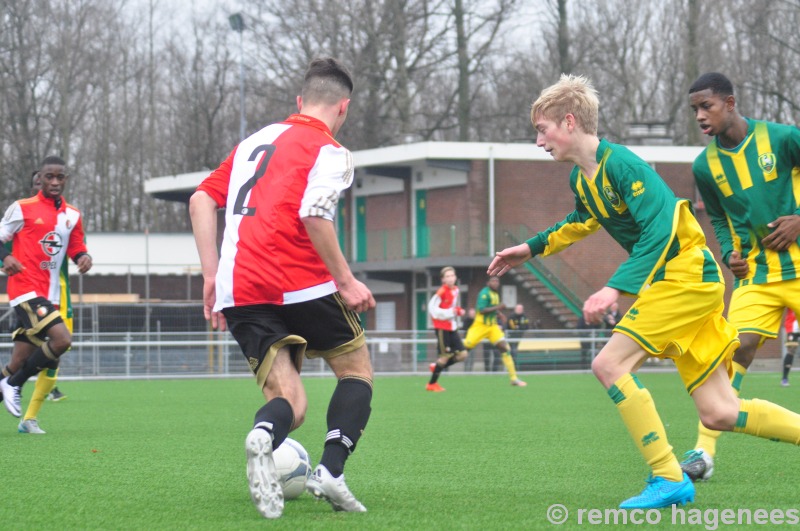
point(43, 229)
point(46, 379)
point(444, 310)
point(745, 177)
point(516, 325)
point(485, 326)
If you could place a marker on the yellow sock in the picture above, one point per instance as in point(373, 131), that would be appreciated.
point(707, 439)
point(44, 384)
point(768, 420)
point(641, 418)
point(508, 361)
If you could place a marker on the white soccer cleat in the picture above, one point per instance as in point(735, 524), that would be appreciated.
point(30, 426)
point(323, 486)
point(11, 397)
point(265, 490)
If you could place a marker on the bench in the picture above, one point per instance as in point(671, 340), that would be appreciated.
point(566, 353)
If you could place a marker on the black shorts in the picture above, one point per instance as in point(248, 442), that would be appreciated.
point(322, 328)
point(34, 318)
point(448, 342)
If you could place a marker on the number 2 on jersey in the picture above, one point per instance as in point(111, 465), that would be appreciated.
point(239, 207)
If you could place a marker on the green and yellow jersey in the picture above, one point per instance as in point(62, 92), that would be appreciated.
point(637, 208)
point(749, 186)
point(487, 298)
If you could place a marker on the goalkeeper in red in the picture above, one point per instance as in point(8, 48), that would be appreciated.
point(678, 287)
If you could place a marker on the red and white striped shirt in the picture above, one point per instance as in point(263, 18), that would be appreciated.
point(272, 179)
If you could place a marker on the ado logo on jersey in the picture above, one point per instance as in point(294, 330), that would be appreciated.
point(766, 162)
point(612, 196)
point(51, 243)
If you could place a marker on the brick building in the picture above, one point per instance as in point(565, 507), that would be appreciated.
point(415, 208)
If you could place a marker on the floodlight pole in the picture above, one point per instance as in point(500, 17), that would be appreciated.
point(237, 24)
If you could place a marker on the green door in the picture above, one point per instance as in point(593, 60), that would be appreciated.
point(422, 325)
point(361, 229)
point(423, 233)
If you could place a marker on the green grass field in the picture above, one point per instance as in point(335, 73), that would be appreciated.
point(169, 454)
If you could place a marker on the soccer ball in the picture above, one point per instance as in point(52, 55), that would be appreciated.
point(294, 467)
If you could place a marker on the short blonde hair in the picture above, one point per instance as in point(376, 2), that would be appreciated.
point(445, 270)
point(571, 95)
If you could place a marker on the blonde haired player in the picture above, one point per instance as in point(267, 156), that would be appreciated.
point(677, 284)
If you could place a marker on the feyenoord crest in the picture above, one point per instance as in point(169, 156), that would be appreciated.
point(767, 162)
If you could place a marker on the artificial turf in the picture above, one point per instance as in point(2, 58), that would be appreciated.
point(169, 454)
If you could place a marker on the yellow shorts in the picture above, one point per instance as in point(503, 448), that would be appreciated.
point(683, 321)
point(479, 331)
point(758, 308)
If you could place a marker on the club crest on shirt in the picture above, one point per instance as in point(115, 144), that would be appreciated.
point(766, 161)
point(612, 196)
point(51, 243)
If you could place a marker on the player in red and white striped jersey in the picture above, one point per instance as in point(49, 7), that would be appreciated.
point(444, 310)
point(282, 285)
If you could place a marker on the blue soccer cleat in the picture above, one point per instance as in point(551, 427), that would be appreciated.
point(661, 492)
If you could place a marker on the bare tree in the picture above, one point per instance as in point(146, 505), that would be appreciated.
point(125, 95)
point(477, 26)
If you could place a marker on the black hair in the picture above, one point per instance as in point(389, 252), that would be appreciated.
point(327, 80)
point(52, 159)
point(716, 82)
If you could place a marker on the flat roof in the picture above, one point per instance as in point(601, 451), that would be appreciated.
point(180, 187)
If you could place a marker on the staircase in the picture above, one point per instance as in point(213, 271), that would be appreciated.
point(547, 288)
point(554, 304)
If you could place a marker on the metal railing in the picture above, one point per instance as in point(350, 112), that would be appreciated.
point(141, 355)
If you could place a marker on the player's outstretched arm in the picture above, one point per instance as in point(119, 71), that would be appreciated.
point(356, 295)
point(509, 258)
point(203, 212)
